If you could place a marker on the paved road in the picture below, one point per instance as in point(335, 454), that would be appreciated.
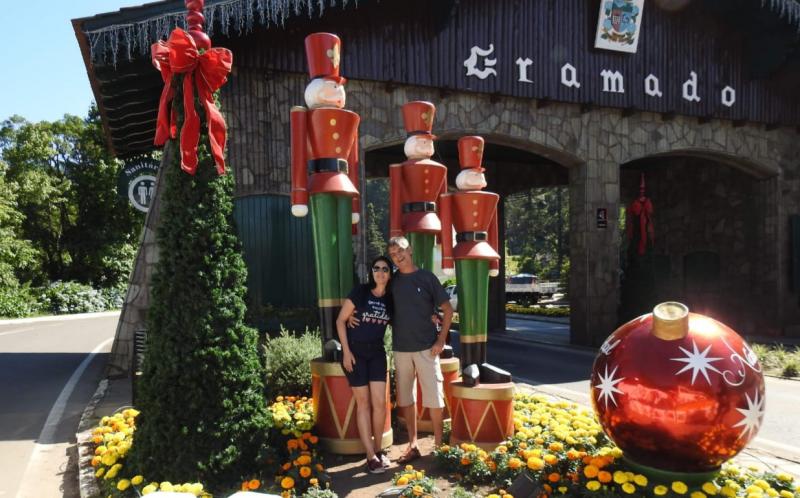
point(45, 383)
point(564, 372)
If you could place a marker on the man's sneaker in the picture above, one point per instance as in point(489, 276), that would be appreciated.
point(384, 459)
point(374, 466)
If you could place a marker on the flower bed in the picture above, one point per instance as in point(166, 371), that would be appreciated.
point(563, 449)
point(292, 445)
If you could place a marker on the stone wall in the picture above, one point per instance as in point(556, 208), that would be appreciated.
point(592, 142)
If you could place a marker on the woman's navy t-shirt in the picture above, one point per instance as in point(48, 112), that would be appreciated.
point(373, 313)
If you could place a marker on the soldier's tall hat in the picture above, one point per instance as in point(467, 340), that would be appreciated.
point(323, 51)
point(418, 118)
point(470, 152)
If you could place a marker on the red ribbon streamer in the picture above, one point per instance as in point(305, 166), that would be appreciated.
point(642, 208)
point(208, 71)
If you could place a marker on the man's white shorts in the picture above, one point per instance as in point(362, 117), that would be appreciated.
point(423, 366)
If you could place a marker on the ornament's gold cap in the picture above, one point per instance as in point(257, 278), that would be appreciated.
point(670, 321)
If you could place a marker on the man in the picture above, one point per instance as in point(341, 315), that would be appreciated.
point(416, 342)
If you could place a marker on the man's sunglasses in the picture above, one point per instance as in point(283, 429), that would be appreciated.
point(384, 269)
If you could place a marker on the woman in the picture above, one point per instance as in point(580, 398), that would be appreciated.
point(364, 357)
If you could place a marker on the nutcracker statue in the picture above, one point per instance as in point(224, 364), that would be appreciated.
point(325, 172)
point(484, 387)
point(680, 393)
point(416, 185)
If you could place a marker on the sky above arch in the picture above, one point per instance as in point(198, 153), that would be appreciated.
point(43, 75)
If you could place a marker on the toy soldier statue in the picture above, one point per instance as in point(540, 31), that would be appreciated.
point(416, 184)
point(325, 170)
point(473, 213)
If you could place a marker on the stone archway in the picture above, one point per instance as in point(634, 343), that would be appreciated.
point(711, 232)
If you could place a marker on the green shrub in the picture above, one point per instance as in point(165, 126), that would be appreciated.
point(317, 492)
point(62, 298)
point(537, 310)
point(791, 369)
point(287, 359)
point(17, 301)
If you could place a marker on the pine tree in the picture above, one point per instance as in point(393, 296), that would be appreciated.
point(202, 406)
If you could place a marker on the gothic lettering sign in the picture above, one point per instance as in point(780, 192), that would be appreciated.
point(482, 61)
point(137, 183)
point(618, 25)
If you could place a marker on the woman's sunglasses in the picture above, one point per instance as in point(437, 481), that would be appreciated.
point(384, 269)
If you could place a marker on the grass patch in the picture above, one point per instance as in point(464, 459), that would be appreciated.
point(778, 359)
point(537, 310)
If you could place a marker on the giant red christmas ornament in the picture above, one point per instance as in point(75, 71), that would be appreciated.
point(678, 391)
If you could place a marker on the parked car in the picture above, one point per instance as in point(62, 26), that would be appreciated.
point(452, 292)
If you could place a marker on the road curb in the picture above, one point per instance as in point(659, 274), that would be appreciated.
point(87, 484)
point(56, 318)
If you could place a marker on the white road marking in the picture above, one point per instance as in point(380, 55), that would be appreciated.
point(54, 417)
point(60, 318)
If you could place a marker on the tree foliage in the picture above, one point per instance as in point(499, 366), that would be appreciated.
point(377, 213)
point(202, 397)
point(537, 224)
point(61, 181)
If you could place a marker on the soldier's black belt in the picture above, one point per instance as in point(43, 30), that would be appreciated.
point(419, 207)
point(327, 165)
point(468, 236)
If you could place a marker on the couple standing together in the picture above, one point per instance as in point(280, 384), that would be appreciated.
point(408, 303)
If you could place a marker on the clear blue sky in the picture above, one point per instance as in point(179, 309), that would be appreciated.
point(43, 76)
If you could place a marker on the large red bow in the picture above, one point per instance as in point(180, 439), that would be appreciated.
point(642, 208)
point(179, 55)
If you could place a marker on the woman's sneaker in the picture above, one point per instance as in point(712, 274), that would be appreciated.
point(384, 459)
point(375, 466)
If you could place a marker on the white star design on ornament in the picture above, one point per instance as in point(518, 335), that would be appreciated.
point(752, 415)
point(608, 387)
point(697, 362)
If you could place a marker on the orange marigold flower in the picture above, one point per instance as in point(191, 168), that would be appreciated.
point(590, 471)
point(303, 460)
point(523, 445)
point(286, 466)
point(306, 436)
point(587, 460)
point(604, 476)
point(291, 444)
point(554, 477)
point(305, 472)
point(502, 449)
point(253, 484)
point(287, 483)
point(244, 486)
point(465, 461)
point(313, 439)
point(514, 463)
point(319, 467)
point(303, 445)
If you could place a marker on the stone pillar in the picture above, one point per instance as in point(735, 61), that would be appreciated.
point(594, 252)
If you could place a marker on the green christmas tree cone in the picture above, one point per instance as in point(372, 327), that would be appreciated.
point(203, 416)
point(422, 245)
point(472, 276)
point(333, 255)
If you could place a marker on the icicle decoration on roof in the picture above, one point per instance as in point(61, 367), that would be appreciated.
point(226, 17)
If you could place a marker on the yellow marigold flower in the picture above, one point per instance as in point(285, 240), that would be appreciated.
point(287, 483)
point(550, 459)
point(556, 446)
point(493, 495)
point(783, 476)
point(628, 488)
point(444, 448)
point(710, 488)
point(402, 481)
point(305, 471)
point(771, 492)
point(409, 467)
point(100, 472)
point(417, 490)
point(137, 480)
point(679, 487)
point(314, 481)
point(697, 494)
point(150, 488)
point(761, 483)
point(419, 475)
point(640, 480)
point(166, 486)
point(620, 477)
point(535, 463)
point(786, 494)
point(502, 449)
point(123, 484)
point(593, 485)
point(660, 490)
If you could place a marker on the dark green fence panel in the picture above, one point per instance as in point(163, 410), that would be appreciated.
point(278, 251)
